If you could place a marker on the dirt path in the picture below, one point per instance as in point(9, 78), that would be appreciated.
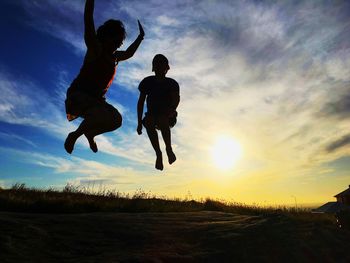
point(165, 237)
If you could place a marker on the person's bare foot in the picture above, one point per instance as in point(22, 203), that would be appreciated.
point(70, 141)
point(92, 143)
point(171, 156)
point(159, 162)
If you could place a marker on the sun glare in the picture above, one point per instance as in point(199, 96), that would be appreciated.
point(226, 152)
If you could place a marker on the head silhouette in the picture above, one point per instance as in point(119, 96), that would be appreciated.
point(160, 65)
point(111, 33)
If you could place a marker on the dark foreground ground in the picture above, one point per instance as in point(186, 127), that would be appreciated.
point(168, 237)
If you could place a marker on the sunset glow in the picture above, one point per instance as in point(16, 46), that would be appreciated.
point(226, 152)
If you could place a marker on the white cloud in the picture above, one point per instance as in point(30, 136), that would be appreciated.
point(73, 165)
point(61, 19)
point(167, 21)
point(24, 103)
point(11, 136)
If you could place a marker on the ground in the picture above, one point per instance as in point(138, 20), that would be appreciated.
point(204, 236)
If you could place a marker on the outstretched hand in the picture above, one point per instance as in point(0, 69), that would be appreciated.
point(142, 32)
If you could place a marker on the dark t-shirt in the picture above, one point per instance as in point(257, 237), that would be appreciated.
point(160, 94)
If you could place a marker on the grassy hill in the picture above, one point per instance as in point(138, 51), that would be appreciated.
point(75, 199)
point(74, 225)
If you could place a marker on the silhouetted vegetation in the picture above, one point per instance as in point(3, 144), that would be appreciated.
point(59, 226)
point(78, 199)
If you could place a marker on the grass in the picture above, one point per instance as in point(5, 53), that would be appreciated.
point(75, 199)
point(61, 226)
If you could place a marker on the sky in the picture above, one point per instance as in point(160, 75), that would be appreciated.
point(272, 77)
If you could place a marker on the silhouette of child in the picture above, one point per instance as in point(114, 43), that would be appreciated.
point(162, 94)
point(86, 94)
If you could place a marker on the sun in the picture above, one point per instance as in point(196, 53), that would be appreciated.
point(226, 152)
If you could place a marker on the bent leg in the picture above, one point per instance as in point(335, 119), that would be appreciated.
point(149, 124)
point(101, 120)
point(97, 120)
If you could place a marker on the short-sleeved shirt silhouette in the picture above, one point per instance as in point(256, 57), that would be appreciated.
point(160, 94)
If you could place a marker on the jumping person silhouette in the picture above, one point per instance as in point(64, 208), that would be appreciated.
point(86, 94)
point(163, 97)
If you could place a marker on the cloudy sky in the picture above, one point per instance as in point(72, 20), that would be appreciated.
point(273, 77)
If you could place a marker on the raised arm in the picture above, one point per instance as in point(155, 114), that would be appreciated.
point(130, 51)
point(140, 104)
point(89, 26)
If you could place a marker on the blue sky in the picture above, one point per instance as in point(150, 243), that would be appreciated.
point(271, 75)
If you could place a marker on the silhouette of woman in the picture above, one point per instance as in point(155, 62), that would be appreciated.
point(86, 94)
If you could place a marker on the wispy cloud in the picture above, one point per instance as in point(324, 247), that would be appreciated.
point(11, 136)
point(74, 165)
point(342, 142)
point(338, 104)
point(82, 171)
point(24, 103)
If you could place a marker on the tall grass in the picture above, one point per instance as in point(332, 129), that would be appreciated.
point(78, 199)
